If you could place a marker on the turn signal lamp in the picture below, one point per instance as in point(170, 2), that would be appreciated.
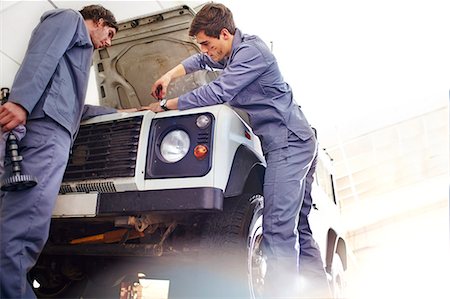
point(200, 151)
point(203, 121)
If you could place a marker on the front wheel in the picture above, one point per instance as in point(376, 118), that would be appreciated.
point(234, 237)
point(256, 263)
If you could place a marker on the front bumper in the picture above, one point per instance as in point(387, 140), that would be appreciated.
point(137, 202)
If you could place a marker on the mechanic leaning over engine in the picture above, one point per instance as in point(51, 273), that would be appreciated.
point(251, 80)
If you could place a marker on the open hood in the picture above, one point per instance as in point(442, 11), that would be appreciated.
point(143, 50)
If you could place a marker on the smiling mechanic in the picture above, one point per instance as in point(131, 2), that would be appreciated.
point(251, 80)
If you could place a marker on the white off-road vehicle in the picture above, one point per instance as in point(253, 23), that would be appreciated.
point(168, 188)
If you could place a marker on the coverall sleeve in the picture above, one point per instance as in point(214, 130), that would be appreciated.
point(193, 63)
point(48, 43)
point(90, 111)
point(246, 65)
point(198, 62)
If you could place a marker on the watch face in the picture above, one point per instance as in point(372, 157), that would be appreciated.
point(162, 104)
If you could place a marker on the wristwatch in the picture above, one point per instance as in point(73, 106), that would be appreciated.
point(163, 104)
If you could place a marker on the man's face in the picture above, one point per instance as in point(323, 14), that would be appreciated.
point(216, 48)
point(102, 35)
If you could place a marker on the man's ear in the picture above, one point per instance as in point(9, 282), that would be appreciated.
point(100, 22)
point(225, 33)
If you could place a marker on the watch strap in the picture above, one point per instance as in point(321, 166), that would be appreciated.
point(163, 104)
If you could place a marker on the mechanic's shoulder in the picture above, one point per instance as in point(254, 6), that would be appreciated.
point(254, 45)
point(62, 13)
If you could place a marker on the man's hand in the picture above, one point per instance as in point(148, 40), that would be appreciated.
point(155, 107)
point(128, 110)
point(171, 104)
point(12, 115)
point(159, 88)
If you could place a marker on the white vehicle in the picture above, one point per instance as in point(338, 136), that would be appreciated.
point(168, 185)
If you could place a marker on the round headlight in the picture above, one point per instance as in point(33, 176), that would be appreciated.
point(175, 146)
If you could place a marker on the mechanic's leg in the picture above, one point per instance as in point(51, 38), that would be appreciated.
point(284, 188)
point(311, 265)
point(25, 215)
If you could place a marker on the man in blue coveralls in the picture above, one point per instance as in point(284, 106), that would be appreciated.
point(251, 80)
point(47, 96)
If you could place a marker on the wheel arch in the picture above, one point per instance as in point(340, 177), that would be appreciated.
point(247, 173)
point(335, 243)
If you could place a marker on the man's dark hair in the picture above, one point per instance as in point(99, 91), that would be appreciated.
point(211, 19)
point(97, 12)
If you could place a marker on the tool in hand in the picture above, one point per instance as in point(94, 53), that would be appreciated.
point(162, 102)
point(17, 181)
point(158, 92)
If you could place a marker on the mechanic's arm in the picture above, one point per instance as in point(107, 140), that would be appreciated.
point(172, 104)
point(247, 66)
point(164, 81)
point(90, 111)
point(47, 45)
point(189, 65)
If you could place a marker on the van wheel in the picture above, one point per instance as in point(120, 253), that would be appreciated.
point(47, 286)
point(256, 263)
point(56, 278)
point(232, 238)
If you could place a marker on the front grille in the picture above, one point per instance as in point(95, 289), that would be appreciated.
point(65, 189)
point(105, 150)
point(107, 187)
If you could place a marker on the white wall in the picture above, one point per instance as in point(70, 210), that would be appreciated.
point(354, 66)
point(393, 188)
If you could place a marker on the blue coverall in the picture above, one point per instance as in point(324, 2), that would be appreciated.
point(51, 85)
point(251, 80)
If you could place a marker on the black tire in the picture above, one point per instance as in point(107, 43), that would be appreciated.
point(228, 244)
point(229, 228)
point(58, 277)
point(52, 285)
point(44, 288)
